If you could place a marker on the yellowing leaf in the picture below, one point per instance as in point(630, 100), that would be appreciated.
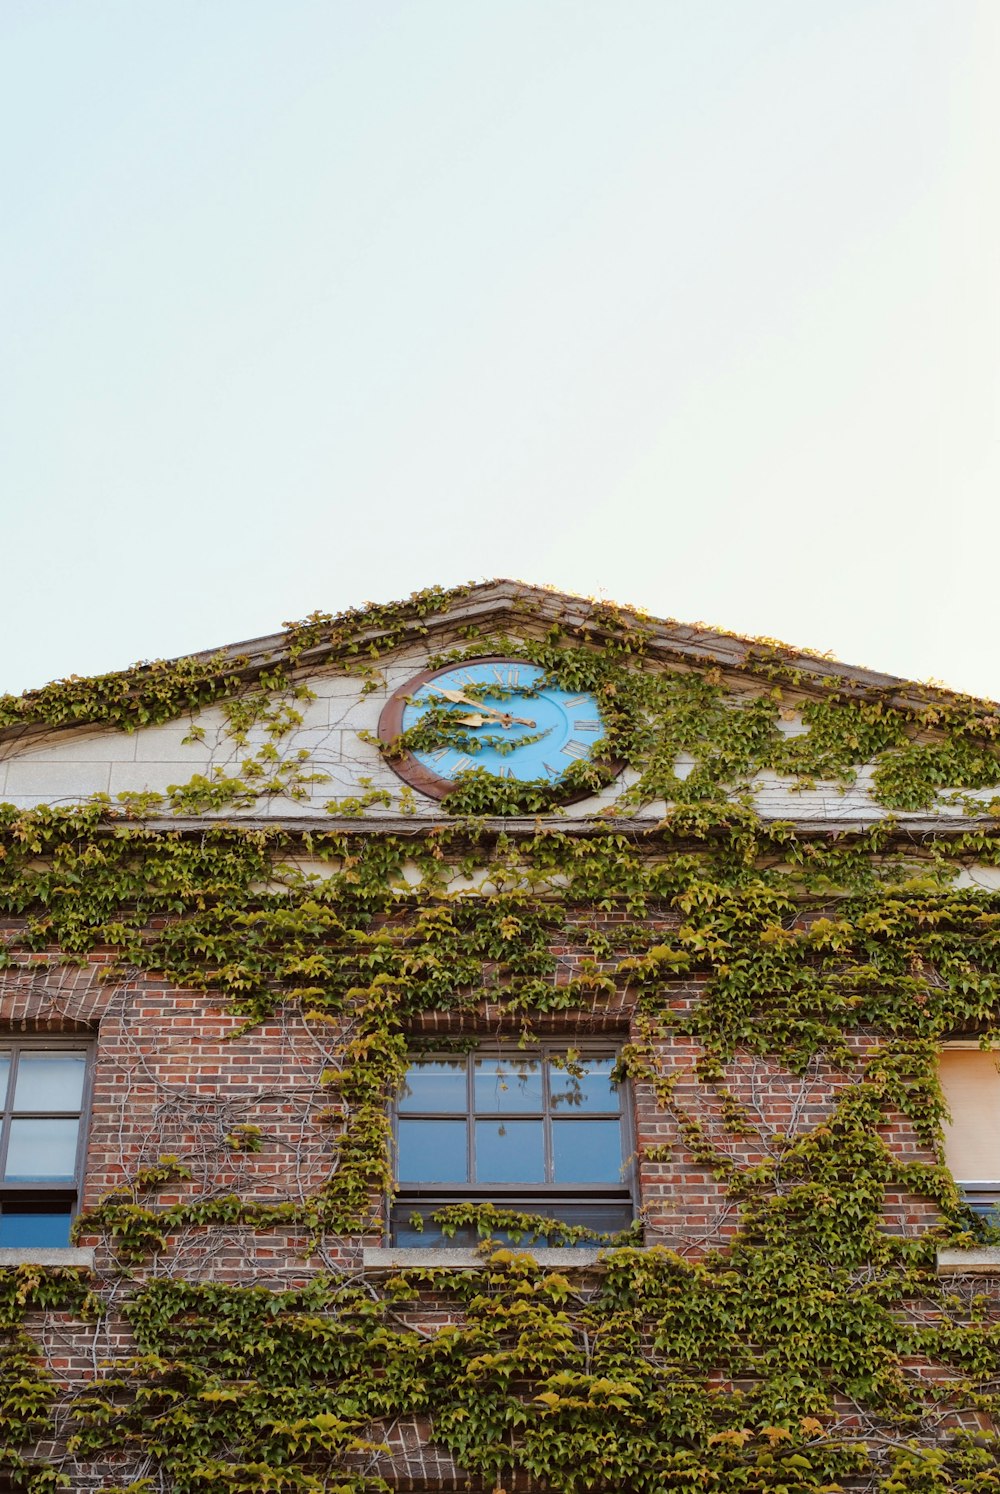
point(732, 1438)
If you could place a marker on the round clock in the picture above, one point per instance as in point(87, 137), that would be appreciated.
point(493, 713)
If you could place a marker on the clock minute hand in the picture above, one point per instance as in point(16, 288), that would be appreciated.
point(460, 699)
point(457, 697)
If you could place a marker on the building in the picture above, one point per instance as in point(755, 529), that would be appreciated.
point(499, 1041)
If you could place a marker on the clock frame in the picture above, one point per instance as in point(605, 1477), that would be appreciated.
point(417, 774)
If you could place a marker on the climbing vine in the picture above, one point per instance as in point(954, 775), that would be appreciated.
point(807, 1347)
point(919, 746)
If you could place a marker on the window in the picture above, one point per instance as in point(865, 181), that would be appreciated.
point(43, 1094)
point(970, 1079)
point(543, 1131)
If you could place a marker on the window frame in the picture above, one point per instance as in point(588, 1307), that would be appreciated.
point(46, 1190)
point(546, 1198)
point(982, 1195)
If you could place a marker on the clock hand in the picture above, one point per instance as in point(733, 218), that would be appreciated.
point(456, 696)
point(494, 719)
point(506, 720)
point(501, 716)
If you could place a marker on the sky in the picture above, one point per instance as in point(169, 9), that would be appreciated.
point(692, 304)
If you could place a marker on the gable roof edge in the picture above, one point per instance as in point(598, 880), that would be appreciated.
point(373, 630)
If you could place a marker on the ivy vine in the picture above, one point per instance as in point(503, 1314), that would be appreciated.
point(816, 1351)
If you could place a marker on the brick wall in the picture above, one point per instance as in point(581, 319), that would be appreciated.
point(172, 1077)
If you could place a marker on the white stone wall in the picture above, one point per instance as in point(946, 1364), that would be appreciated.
point(63, 767)
point(69, 766)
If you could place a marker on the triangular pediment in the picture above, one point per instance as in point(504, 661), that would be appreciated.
point(515, 606)
point(296, 717)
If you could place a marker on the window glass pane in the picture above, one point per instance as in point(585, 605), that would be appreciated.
point(405, 1232)
point(505, 1085)
point(984, 1201)
point(602, 1217)
point(510, 1151)
point(35, 1224)
point(42, 1149)
point(587, 1151)
point(437, 1084)
point(50, 1081)
point(432, 1151)
point(585, 1085)
point(4, 1075)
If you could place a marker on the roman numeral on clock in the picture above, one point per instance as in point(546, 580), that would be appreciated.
point(574, 749)
point(586, 726)
point(462, 764)
point(576, 700)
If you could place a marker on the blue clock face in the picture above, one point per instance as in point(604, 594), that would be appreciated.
point(495, 714)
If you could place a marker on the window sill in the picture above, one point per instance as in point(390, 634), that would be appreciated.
point(47, 1255)
point(401, 1258)
point(983, 1261)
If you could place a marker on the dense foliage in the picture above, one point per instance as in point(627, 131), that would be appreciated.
point(818, 1351)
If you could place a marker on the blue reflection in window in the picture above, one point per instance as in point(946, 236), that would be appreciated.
point(42, 1149)
point(587, 1151)
point(508, 1085)
point(33, 1225)
point(432, 1151)
point(50, 1080)
point(584, 1085)
point(510, 1151)
point(435, 1084)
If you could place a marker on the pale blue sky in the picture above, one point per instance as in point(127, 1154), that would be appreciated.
point(690, 302)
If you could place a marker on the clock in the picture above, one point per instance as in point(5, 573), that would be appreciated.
point(497, 714)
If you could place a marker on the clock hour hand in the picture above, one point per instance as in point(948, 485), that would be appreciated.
point(492, 720)
point(486, 711)
point(495, 718)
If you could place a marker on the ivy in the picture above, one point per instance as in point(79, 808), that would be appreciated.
point(145, 695)
point(785, 1361)
point(683, 734)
